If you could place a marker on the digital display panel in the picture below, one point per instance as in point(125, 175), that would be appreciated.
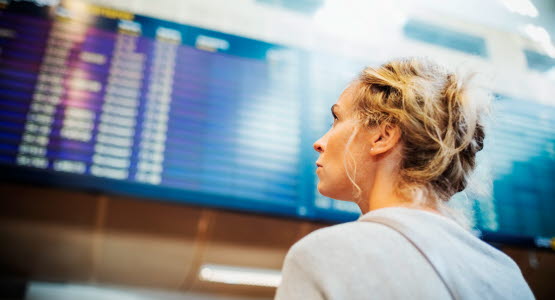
point(150, 102)
point(99, 99)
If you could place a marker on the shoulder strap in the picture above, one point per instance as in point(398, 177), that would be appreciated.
point(423, 246)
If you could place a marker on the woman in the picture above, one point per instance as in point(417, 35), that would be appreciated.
point(403, 141)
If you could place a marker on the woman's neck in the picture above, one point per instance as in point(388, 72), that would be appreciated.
point(383, 191)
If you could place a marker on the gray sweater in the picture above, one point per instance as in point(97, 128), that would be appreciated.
point(368, 260)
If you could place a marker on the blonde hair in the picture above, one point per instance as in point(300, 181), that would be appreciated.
point(441, 118)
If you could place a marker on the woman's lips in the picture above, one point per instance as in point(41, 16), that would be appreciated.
point(318, 165)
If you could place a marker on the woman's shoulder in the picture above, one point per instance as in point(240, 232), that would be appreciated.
point(353, 258)
point(348, 240)
point(346, 231)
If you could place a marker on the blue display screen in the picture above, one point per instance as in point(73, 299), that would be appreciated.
point(137, 104)
point(109, 101)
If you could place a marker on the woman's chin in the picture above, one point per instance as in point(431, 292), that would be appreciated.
point(334, 192)
point(322, 189)
point(326, 191)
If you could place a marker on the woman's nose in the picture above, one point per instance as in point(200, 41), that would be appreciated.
point(318, 146)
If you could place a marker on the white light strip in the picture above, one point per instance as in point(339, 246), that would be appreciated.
point(523, 7)
point(539, 35)
point(240, 275)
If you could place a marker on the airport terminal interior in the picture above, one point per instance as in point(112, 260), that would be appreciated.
point(164, 149)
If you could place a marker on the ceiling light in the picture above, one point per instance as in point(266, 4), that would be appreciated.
point(361, 20)
point(539, 35)
point(523, 7)
point(240, 275)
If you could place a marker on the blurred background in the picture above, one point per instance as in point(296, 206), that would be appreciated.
point(163, 149)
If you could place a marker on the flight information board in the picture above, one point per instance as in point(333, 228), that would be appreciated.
point(141, 100)
point(101, 99)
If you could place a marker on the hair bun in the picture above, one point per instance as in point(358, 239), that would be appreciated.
point(440, 115)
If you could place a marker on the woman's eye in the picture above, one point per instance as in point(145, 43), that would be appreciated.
point(334, 120)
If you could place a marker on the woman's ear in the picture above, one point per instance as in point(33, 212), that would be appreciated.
point(385, 137)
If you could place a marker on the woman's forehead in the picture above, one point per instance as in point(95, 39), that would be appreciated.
point(345, 100)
